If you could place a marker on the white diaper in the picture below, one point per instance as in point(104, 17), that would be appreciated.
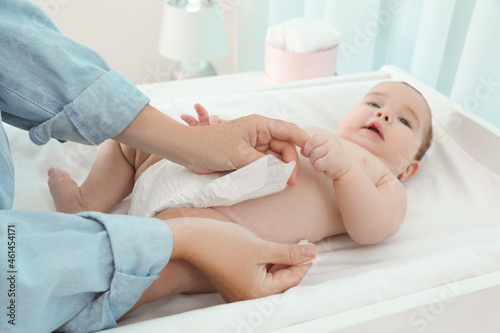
point(167, 185)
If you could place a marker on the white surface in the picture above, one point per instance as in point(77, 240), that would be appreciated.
point(165, 91)
point(434, 310)
point(451, 233)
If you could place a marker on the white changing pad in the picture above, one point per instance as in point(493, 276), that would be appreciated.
point(451, 232)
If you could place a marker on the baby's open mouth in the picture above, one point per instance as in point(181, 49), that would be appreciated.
point(376, 128)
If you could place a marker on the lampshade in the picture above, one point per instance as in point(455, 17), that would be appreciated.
point(192, 35)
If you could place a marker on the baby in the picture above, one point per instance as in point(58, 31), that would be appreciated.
point(351, 183)
point(378, 144)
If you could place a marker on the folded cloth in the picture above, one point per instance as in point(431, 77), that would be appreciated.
point(167, 185)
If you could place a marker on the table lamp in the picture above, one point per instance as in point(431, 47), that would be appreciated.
point(192, 33)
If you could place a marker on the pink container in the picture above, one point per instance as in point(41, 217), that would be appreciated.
point(283, 66)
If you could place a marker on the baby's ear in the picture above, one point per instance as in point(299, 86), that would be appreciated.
point(410, 170)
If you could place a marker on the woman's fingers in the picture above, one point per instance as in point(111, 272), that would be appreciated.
point(287, 152)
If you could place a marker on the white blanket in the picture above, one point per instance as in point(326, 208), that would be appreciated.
point(451, 231)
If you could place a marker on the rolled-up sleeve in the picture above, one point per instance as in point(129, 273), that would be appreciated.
point(72, 272)
point(77, 273)
point(55, 87)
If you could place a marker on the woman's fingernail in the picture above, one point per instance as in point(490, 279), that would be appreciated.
point(309, 250)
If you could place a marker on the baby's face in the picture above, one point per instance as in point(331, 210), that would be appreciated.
point(390, 122)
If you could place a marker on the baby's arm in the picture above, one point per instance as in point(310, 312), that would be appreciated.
point(370, 212)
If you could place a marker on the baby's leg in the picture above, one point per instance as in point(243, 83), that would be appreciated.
point(179, 276)
point(206, 213)
point(110, 180)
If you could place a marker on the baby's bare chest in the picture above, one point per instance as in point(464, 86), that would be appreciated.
point(372, 165)
point(307, 210)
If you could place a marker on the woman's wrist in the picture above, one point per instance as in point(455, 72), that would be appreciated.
point(156, 133)
point(183, 234)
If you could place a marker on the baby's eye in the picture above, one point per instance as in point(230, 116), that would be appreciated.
point(405, 122)
point(375, 105)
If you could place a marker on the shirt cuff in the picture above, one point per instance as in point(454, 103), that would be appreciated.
point(140, 250)
point(100, 112)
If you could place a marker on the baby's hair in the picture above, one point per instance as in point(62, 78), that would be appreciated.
point(427, 139)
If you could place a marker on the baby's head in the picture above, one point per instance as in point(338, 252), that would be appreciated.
point(393, 122)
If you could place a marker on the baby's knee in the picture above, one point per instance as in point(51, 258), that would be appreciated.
point(135, 157)
point(128, 152)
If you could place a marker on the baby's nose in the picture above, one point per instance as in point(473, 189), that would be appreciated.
point(384, 115)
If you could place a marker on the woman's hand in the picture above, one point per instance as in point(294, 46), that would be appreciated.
point(235, 260)
point(204, 119)
point(224, 146)
point(241, 141)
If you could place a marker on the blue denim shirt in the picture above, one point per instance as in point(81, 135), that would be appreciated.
point(73, 272)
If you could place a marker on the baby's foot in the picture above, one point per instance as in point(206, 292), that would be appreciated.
point(65, 192)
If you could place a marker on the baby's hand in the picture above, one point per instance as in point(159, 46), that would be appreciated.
point(327, 155)
point(203, 118)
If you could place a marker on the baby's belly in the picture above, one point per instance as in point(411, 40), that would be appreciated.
point(307, 210)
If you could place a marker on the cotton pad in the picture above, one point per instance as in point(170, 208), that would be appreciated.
point(316, 259)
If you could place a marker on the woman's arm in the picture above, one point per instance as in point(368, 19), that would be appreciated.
point(90, 268)
point(225, 146)
point(234, 259)
point(55, 87)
